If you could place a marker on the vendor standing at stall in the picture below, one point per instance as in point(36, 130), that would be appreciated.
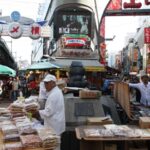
point(144, 88)
point(53, 113)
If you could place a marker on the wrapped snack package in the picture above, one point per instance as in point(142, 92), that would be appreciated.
point(31, 141)
point(49, 139)
point(11, 138)
point(9, 129)
point(13, 146)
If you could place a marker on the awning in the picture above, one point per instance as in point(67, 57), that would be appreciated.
point(42, 65)
point(89, 64)
point(4, 70)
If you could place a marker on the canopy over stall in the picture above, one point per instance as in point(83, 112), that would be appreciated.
point(4, 70)
point(42, 65)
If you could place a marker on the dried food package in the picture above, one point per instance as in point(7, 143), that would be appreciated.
point(13, 146)
point(9, 129)
point(20, 119)
point(26, 129)
point(31, 141)
point(49, 138)
point(5, 122)
point(11, 137)
point(3, 118)
point(106, 133)
point(92, 133)
point(24, 122)
point(17, 109)
point(32, 107)
point(5, 112)
point(31, 99)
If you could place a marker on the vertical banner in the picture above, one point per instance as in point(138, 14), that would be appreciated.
point(102, 28)
point(147, 35)
point(115, 5)
point(103, 53)
point(102, 45)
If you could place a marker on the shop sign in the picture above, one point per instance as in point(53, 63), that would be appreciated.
point(103, 53)
point(115, 5)
point(16, 26)
point(35, 31)
point(15, 30)
point(72, 42)
point(136, 4)
point(147, 35)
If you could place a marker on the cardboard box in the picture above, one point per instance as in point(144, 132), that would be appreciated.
point(87, 94)
point(144, 122)
point(99, 120)
point(110, 147)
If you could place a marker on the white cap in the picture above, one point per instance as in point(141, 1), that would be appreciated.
point(49, 77)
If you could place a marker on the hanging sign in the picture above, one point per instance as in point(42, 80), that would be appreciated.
point(15, 16)
point(15, 30)
point(35, 31)
point(135, 4)
point(16, 26)
point(147, 35)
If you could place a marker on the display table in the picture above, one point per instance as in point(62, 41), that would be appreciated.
point(97, 143)
point(2, 144)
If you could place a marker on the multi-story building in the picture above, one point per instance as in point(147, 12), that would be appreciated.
point(74, 30)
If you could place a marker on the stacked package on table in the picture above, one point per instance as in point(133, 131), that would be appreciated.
point(31, 141)
point(17, 109)
point(49, 139)
point(32, 107)
point(24, 126)
point(13, 146)
point(4, 114)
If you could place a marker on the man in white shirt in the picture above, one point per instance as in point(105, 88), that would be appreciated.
point(54, 112)
point(144, 88)
point(42, 94)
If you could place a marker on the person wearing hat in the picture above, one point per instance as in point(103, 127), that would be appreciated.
point(144, 88)
point(53, 113)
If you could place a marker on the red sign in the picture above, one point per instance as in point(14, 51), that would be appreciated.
point(147, 35)
point(115, 5)
point(102, 28)
point(75, 42)
point(103, 53)
point(134, 4)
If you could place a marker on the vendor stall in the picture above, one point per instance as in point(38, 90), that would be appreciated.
point(19, 131)
point(97, 137)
